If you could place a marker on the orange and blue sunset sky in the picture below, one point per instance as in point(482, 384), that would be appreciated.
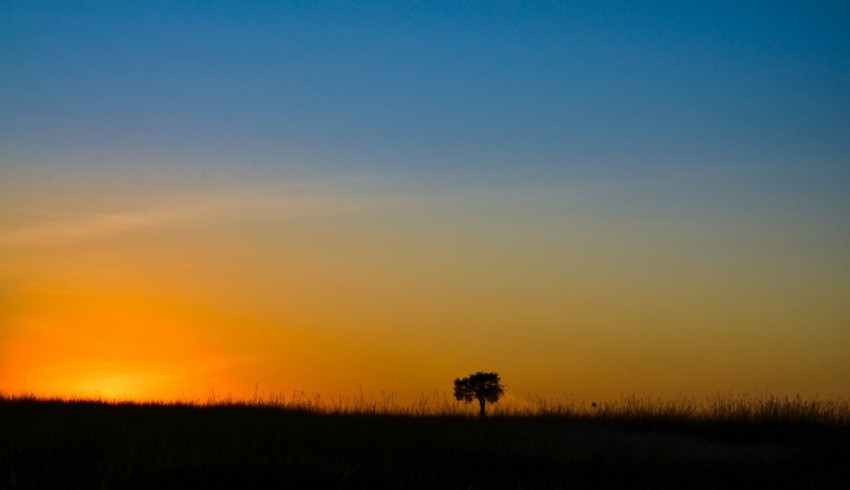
point(594, 199)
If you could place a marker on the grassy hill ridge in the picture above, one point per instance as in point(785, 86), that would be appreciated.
point(97, 444)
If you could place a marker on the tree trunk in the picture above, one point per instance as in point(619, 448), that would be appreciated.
point(481, 402)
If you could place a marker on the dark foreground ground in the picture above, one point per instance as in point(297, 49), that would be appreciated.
point(46, 444)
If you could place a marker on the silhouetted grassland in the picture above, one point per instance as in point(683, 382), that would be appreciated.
point(303, 442)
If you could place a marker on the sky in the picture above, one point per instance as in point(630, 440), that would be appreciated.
point(593, 199)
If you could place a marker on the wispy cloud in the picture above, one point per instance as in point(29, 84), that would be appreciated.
point(311, 198)
point(181, 210)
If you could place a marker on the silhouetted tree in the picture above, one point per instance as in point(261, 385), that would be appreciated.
point(484, 387)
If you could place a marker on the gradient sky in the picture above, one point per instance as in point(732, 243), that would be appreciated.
point(591, 198)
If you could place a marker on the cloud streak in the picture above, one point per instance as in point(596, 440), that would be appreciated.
point(175, 211)
point(296, 199)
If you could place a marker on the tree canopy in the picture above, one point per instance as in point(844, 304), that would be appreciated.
point(481, 386)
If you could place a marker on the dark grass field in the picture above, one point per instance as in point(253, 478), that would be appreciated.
point(101, 445)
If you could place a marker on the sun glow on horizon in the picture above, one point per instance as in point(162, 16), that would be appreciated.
point(345, 289)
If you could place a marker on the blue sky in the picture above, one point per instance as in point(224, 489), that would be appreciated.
point(525, 88)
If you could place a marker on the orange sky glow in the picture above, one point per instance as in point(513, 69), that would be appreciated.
point(338, 288)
